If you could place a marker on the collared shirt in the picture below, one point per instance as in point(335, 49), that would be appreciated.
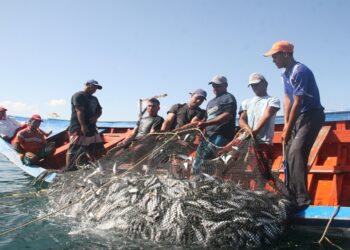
point(300, 81)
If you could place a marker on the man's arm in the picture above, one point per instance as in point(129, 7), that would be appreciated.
point(268, 113)
point(217, 120)
point(131, 136)
point(81, 118)
point(168, 122)
point(243, 121)
point(287, 107)
point(97, 115)
point(17, 146)
point(294, 113)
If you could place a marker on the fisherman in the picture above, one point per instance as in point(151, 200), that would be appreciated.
point(181, 116)
point(257, 117)
point(303, 117)
point(220, 123)
point(84, 137)
point(149, 124)
point(9, 126)
point(31, 143)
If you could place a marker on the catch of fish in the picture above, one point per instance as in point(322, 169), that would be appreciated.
point(160, 208)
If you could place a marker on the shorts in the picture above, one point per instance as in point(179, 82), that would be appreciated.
point(93, 145)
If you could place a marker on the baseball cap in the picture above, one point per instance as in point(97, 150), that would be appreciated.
point(255, 78)
point(95, 83)
point(36, 117)
point(199, 92)
point(218, 79)
point(280, 46)
point(2, 109)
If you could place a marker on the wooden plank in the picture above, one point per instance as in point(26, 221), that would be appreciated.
point(324, 213)
point(317, 144)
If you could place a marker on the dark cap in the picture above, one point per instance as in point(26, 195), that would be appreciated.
point(199, 92)
point(95, 83)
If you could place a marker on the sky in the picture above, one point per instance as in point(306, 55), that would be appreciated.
point(139, 49)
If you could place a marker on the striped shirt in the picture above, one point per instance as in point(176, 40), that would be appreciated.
point(30, 141)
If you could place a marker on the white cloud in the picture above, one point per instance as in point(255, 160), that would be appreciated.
point(20, 108)
point(57, 102)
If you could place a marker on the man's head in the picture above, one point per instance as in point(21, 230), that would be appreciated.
point(258, 84)
point(282, 53)
point(2, 113)
point(197, 97)
point(34, 122)
point(91, 86)
point(153, 106)
point(219, 84)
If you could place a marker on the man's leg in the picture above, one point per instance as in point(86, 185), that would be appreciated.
point(304, 134)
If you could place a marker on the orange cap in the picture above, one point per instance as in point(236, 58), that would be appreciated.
point(36, 117)
point(280, 46)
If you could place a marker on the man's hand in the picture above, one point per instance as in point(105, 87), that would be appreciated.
point(201, 124)
point(286, 133)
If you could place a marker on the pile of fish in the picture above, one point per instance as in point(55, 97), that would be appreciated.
point(205, 212)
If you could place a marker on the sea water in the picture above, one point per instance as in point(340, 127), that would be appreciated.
point(21, 202)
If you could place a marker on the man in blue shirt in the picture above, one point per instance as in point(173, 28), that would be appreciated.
point(303, 117)
point(220, 123)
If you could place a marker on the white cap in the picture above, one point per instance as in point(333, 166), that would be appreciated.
point(256, 78)
point(218, 79)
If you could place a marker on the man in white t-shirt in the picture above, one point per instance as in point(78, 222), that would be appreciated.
point(257, 114)
point(8, 125)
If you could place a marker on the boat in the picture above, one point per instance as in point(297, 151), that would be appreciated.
point(329, 165)
point(329, 172)
point(112, 135)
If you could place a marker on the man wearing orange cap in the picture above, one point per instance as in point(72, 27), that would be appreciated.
point(303, 117)
point(31, 143)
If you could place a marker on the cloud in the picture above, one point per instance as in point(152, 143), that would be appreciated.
point(58, 102)
point(20, 108)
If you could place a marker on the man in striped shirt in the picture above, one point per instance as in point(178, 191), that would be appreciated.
point(31, 143)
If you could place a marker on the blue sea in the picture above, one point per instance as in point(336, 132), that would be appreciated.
point(21, 202)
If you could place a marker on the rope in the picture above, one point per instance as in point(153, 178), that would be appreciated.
point(38, 219)
point(329, 223)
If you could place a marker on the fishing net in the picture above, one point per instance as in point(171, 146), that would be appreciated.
point(148, 191)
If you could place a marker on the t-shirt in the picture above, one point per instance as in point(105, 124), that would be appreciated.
point(91, 106)
point(9, 126)
point(217, 106)
point(184, 114)
point(255, 108)
point(147, 124)
point(30, 141)
point(300, 81)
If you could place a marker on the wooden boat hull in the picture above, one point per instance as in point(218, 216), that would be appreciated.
point(7, 150)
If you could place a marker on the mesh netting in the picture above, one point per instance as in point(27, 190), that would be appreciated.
point(147, 191)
